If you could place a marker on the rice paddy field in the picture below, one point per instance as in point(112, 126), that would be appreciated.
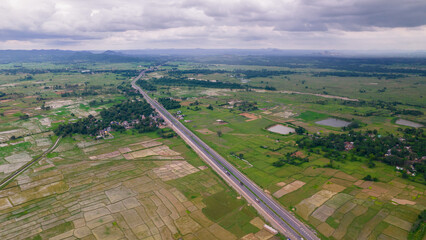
point(90, 189)
point(141, 186)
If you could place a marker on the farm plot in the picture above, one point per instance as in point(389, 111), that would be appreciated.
point(289, 188)
point(250, 116)
point(174, 170)
point(74, 196)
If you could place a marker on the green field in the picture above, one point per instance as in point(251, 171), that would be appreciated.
point(329, 195)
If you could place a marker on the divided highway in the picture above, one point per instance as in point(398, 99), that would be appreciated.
point(278, 217)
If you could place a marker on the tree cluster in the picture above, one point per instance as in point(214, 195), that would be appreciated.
point(197, 83)
point(290, 158)
point(169, 103)
point(146, 85)
point(246, 106)
point(136, 113)
point(390, 149)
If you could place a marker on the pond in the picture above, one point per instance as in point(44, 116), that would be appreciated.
point(408, 123)
point(281, 129)
point(333, 122)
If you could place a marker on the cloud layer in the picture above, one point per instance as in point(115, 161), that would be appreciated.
point(137, 24)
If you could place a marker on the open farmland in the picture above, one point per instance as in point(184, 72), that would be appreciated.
point(72, 195)
point(133, 185)
point(336, 201)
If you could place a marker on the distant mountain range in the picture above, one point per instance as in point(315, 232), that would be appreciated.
point(161, 55)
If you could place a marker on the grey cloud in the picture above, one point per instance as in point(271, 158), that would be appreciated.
point(317, 15)
point(213, 22)
point(366, 14)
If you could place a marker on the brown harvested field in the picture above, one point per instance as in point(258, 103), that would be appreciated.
point(203, 167)
point(199, 217)
point(396, 221)
point(289, 188)
point(323, 212)
point(341, 182)
point(359, 210)
point(304, 209)
point(257, 222)
point(146, 142)
point(221, 233)
point(281, 184)
point(142, 153)
point(81, 198)
point(338, 200)
point(250, 116)
point(187, 225)
point(403, 201)
point(375, 191)
point(167, 157)
point(151, 143)
point(10, 112)
point(105, 156)
point(325, 229)
point(396, 232)
point(124, 150)
point(159, 150)
point(263, 235)
point(345, 176)
point(284, 114)
point(397, 184)
point(308, 205)
point(249, 236)
point(174, 170)
point(128, 156)
point(333, 187)
point(59, 103)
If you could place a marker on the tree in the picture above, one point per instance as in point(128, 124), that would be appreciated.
point(219, 133)
point(370, 178)
point(24, 117)
point(300, 130)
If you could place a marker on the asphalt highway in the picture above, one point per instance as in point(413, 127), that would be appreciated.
point(278, 217)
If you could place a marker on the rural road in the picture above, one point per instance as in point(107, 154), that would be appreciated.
point(27, 165)
point(279, 218)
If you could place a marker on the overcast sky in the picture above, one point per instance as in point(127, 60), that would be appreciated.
point(284, 24)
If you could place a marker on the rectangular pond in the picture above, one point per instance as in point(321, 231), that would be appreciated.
point(281, 129)
point(408, 123)
point(333, 122)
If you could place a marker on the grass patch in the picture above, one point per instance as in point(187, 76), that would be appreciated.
point(220, 204)
point(52, 154)
point(310, 116)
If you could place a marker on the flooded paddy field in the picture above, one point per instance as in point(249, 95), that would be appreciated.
point(408, 123)
point(281, 129)
point(333, 122)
